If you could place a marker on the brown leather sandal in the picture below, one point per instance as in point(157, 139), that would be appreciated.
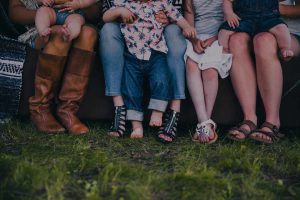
point(274, 134)
point(241, 130)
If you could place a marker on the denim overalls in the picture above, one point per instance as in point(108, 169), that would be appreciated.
point(256, 16)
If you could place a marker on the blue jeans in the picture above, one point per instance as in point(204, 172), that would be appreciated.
point(112, 49)
point(156, 71)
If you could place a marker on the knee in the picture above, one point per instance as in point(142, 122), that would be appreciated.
point(210, 74)
point(191, 67)
point(279, 28)
point(264, 44)
point(109, 31)
point(57, 41)
point(239, 42)
point(46, 11)
point(175, 41)
point(88, 33)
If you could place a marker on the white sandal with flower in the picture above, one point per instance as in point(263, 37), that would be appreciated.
point(204, 128)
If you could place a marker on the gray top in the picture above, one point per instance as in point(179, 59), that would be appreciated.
point(208, 16)
point(293, 23)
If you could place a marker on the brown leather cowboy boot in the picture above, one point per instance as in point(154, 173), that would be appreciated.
point(48, 73)
point(73, 89)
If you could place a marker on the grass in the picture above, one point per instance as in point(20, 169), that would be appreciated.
point(39, 166)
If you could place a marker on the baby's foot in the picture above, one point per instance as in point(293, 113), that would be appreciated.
point(287, 54)
point(156, 119)
point(137, 133)
point(66, 34)
point(45, 33)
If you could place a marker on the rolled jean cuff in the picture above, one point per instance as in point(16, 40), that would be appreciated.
point(113, 94)
point(179, 97)
point(159, 105)
point(134, 115)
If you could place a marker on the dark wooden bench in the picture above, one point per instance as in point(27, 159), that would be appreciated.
point(227, 111)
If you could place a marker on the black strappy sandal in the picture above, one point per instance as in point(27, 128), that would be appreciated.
point(119, 123)
point(169, 126)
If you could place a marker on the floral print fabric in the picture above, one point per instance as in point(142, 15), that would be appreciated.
point(146, 34)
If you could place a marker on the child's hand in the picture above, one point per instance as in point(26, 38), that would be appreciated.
point(208, 42)
point(69, 6)
point(57, 2)
point(189, 32)
point(162, 18)
point(126, 15)
point(232, 19)
point(197, 45)
point(47, 2)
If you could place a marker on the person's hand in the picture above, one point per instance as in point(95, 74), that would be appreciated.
point(208, 42)
point(189, 32)
point(162, 18)
point(69, 6)
point(47, 2)
point(57, 2)
point(127, 16)
point(232, 19)
point(197, 45)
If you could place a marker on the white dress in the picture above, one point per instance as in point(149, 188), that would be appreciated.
point(208, 16)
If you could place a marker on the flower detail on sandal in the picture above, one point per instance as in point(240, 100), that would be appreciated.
point(119, 123)
point(204, 129)
point(169, 126)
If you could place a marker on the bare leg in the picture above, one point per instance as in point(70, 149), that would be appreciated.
point(45, 17)
point(295, 46)
point(87, 38)
point(283, 38)
point(72, 26)
point(223, 39)
point(195, 86)
point(210, 84)
point(175, 105)
point(269, 78)
point(156, 118)
point(243, 78)
point(137, 127)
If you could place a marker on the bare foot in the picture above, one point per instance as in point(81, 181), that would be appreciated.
point(137, 133)
point(45, 34)
point(137, 127)
point(287, 54)
point(66, 35)
point(156, 119)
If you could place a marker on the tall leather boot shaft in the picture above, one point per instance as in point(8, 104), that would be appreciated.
point(73, 89)
point(48, 73)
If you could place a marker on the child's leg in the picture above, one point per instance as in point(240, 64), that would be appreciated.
point(198, 89)
point(195, 86)
point(158, 74)
point(223, 37)
point(283, 38)
point(72, 26)
point(132, 91)
point(45, 17)
point(210, 85)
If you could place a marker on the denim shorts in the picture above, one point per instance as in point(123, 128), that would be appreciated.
point(255, 24)
point(62, 16)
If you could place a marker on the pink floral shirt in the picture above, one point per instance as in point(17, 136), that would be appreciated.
point(146, 34)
